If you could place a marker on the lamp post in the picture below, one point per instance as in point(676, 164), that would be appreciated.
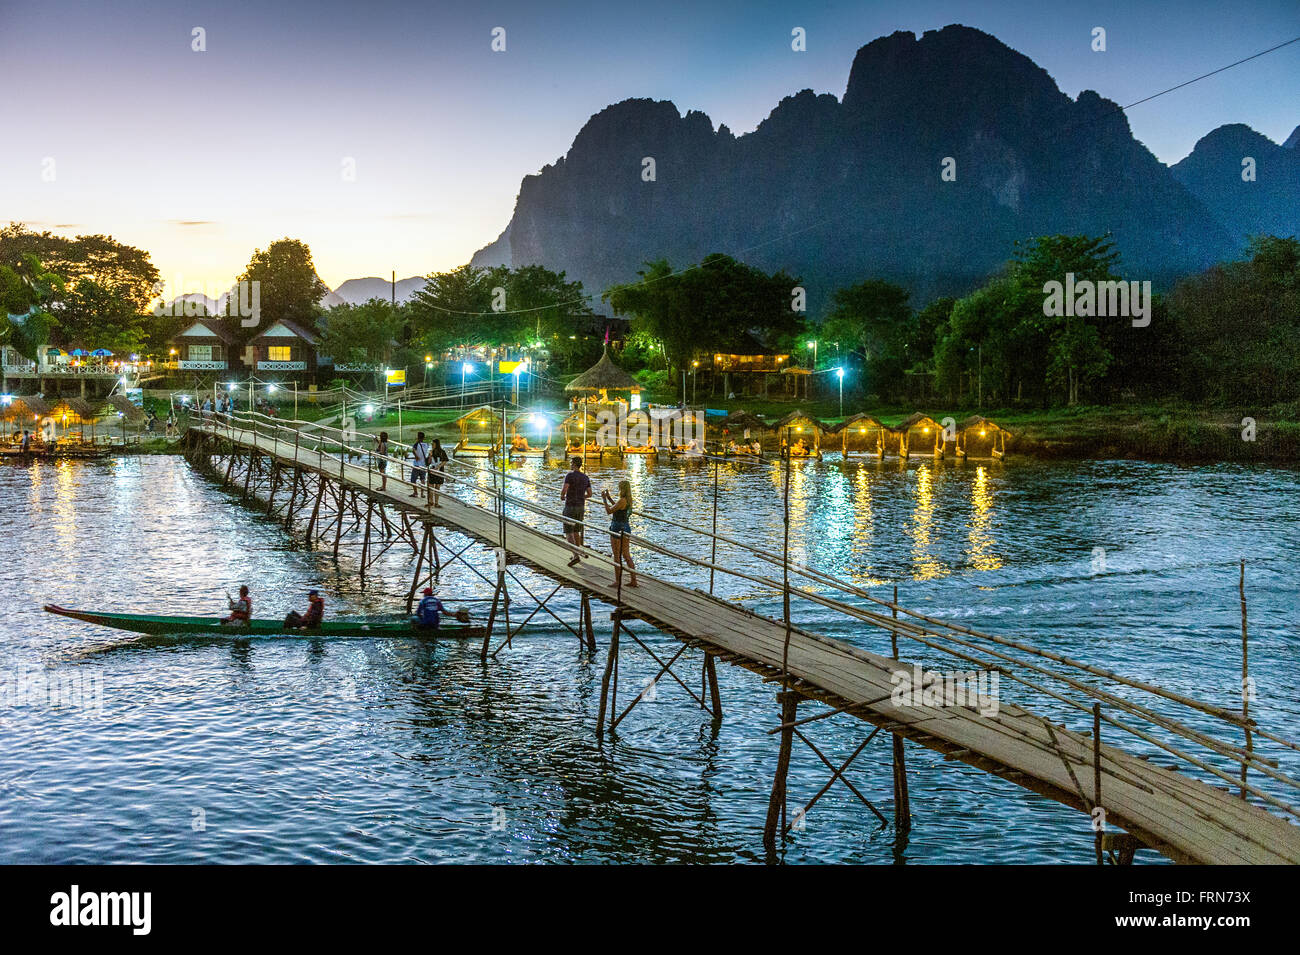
point(839, 373)
point(465, 368)
point(428, 369)
point(813, 345)
point(695, 381)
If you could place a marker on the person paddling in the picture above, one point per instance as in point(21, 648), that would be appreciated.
point(428, 614)
point(241, 610)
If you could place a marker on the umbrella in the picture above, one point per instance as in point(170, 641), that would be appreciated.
point(53, 351)
point(78, 351)
point(102, 353)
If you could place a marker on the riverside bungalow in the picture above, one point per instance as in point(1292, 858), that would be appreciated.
point(480, 433)
point(861, 434)
point(206, 345)
point(800, 435)
point(284, 347)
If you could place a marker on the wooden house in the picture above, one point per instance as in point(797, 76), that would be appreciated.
point(207, 344)
point(284, 347)
point(920, 434)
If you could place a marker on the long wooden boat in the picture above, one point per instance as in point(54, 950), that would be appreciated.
point(148, 623)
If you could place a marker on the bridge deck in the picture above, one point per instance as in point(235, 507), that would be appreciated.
point(1184, 818)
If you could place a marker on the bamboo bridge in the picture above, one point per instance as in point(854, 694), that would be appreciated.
point(327, 480)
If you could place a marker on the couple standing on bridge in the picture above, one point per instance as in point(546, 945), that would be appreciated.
point(574, 493)
point(426, 465)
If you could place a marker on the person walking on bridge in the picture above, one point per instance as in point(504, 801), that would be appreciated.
point(419, 463)
point(435, 475)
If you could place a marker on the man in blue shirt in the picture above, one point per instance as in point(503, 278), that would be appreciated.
point(428, 613)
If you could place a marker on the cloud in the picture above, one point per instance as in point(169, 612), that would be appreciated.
point(190, 223)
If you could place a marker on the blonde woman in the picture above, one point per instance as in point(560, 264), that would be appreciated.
point(620, 531)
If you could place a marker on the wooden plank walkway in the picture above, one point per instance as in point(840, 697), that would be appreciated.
point(1185, 819)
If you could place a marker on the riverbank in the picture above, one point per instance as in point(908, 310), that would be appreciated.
point(1140, 433)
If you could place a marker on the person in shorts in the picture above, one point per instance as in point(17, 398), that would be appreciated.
point(574, 493)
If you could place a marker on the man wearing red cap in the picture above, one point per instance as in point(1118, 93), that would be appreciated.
point(428, 614)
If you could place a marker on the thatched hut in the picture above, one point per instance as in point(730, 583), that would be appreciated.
point(77, 412)
point(641, 434)
point(745, 434)
point(530, 434)
point(587, 434)
point(978, 437)
point(920, 434)
point(480, 433)
point(862, 434)
point(801, 435)
point(602, 378)
point(126, 409)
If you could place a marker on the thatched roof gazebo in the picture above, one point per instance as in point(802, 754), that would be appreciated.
point(918, 433)
point(979, 437)
point(602, 378)
point(530, 434)
point(587, 434)
point(741, 430)
point(123, 406)
point(862, 434)
point(480, 433)
point(799, 430)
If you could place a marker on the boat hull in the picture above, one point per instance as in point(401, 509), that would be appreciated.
point(148, 623)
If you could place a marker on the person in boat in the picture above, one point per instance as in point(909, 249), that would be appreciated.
point(241, 610)
point(428, 615)
point(311, 620)
point(518, 443)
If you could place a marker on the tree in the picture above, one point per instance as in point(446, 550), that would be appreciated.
point(875, 316)
point(100, 316)
point(364, 334)
point(100, 258)
point(289, 287)
point(455, 307)
point(25, 292)
point(708, 307)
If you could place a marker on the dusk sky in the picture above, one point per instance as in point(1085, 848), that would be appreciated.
point(202, 157)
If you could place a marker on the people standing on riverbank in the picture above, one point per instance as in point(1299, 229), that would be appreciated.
point(436, 475)
point(419, 463)
point(620, 531)
point(574, 493)
point(381, 459)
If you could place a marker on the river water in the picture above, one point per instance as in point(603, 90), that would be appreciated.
point(116, 748)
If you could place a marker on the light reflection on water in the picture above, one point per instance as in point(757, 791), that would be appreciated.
point(363, 750)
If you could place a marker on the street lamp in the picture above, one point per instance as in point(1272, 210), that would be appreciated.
point(465, 369)
point(839, 373)
point(695, 381)
point(813, 345)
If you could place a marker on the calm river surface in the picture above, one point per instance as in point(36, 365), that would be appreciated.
point(122, 749)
